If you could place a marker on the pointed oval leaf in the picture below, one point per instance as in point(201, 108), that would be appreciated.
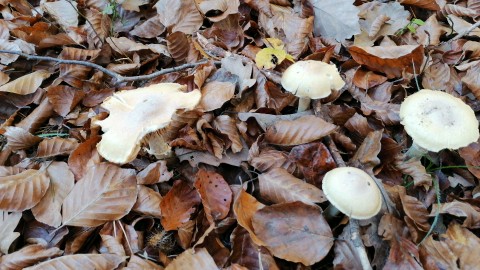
point(148, 202)
point(178, 205)
point(23, 191)
point(192, 260)
point(56, 147)
point(105, 193)
point(215, 193)
point(27, 256)
point(26, 84)
point(294, 231)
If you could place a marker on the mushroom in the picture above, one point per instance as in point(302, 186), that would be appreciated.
point(436, 120)
point(311, 80)
point(135, 113)
point(352, 192)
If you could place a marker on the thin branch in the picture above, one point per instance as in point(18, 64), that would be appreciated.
point(459, 36)
point(117, 77)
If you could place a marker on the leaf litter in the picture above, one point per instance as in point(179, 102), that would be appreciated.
point(232, 178)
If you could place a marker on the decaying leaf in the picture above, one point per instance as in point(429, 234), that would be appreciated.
point(336, 19)
point(178, 205)
point(193, 259)
point(105, 193)
point(26, 84)
point(215, 193)
point(27, 256)
point(8, 223)
point(85, 261)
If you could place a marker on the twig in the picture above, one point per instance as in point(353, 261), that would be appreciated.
point(117, 77)
point(466, 32)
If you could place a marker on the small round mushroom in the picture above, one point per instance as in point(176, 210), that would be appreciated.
point(352, 192)
point(436, 120)
point(311, 80)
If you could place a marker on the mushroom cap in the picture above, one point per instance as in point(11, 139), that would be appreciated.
point(135, 113)
point(436, 120)
point(312, 79)
point(353, 192)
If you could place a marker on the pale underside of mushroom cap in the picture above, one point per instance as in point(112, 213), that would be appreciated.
point(353, 192)
point(135, 113)
point(436, 120)
point(312, 79)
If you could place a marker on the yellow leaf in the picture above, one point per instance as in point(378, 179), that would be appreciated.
point(274, 43)
point(269, 57)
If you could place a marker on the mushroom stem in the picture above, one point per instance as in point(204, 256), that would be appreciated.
point(303, 104)
point(416, 151)
point(330, 212)
point(358, 244)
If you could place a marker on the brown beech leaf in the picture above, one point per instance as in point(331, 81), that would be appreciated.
point(367, 79)
point(19, 138)
point(455, 250)
point(391, 60)
point(23, 191)
point(436, 76)
point(83, 261)
point(247, 254)
point(8, 223)
point(366, 155)
point(61, 183)
point(136, 263)
point(151, 28)
point(64, 98)
point(178, 205)
point(156, 172)
point(472, 81)
point(313, 159)
point(111, 245)
point(462, 210)
point(178, 46)
point(105, 193)
point(294, 231)
point(28, 255)
point(345, 254)
point(460, 26)
point(471, 155)
point(270, 158)
point(244, 207)
point(215, 193)
point(26, 84)
point(459, 11)
point(56, 147)
point(192, 260)
point(79, 158)
point(302, 130)
point(148, 202)
point(278, 186)
point(426, 4)
point(75, 75)
point(414, 209)
point(415, 169)
point(181, 16)
point(403, 255)
point(227, 126)
point(98, 27)
point(220, 8)
point(215, 94)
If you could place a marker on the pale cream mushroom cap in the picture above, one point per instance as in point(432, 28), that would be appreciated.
point(135, 113)
point(312, 79)
point(436, 120)
point(353, 192)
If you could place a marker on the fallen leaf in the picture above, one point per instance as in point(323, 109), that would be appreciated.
point(24, 190)
point(19, 138)
point(391, 60)
point(215, 194)
point(136, 263)
point(8, 224)
point(27, 256)
point(245, 206)
point(56, 147)
point(26, 84)
point(61, 183)
point(105, 193)
point(302, 130)
point(461, 210)
point(294, 231)
point(278, 186)
point(193, 259)
point(313, 159)
point(403, 255)
point(148, 202)
point(215, 94)
point(178, 205)
point(180, 16)
point(336, 19)
point(85, 261)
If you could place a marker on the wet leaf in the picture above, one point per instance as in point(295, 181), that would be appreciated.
point(294, 231)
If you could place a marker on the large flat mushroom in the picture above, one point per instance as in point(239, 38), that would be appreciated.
point(436, 120)
point(135, 113)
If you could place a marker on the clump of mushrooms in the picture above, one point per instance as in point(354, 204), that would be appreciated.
point(311, 80)
point(136, 113)
point(436, 120)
